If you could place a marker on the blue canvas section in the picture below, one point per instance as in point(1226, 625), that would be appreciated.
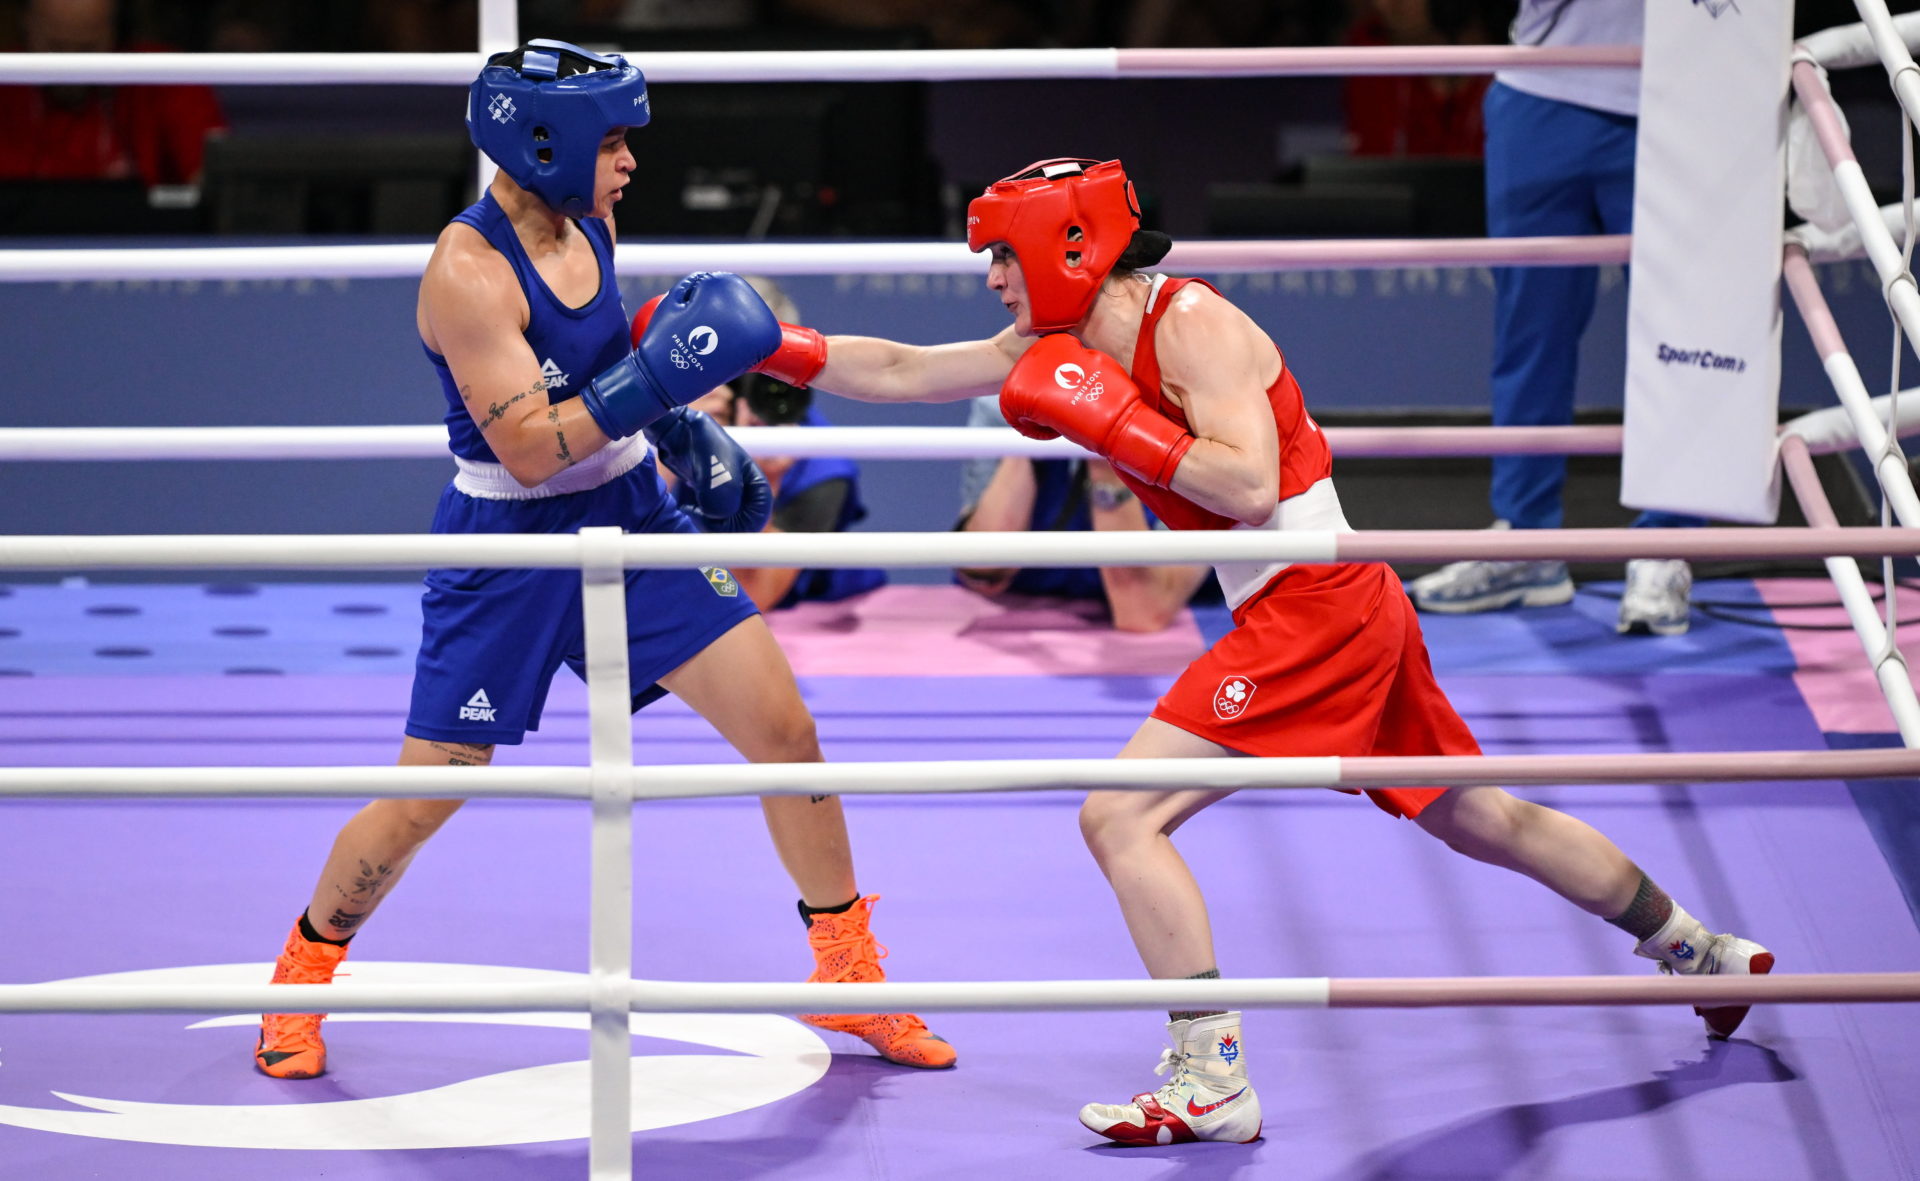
point(82, 628)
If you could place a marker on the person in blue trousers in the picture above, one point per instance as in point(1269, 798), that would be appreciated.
point(1559, 161)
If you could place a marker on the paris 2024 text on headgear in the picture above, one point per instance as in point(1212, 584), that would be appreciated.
point(541, 118)
point(1068, 221)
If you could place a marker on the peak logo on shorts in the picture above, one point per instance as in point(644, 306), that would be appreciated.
point(1232, 698)
point(1073, 377)
point(721, 580)
point(550, 373)
point(477, 708)
point(1716, 7)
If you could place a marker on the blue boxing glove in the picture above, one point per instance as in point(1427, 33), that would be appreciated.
point(710, 328)
point(727, 489)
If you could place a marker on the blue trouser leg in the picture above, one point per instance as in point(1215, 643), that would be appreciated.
point(1553, 168)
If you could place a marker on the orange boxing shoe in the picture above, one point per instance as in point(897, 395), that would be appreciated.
point(290, 1044)
point(845, 951)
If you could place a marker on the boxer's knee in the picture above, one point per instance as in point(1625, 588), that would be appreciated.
point(412, 822)
point(1110, 821)
point(788, 736)
point(1473, 820)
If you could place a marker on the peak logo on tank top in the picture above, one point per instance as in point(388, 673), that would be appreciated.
point(566, 341)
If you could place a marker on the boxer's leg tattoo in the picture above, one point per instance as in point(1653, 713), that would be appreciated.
point(368, 883)
point(818, 799)
point(464, 754)
point(346, 920)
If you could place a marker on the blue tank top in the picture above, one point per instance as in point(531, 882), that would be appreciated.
point(574, 345)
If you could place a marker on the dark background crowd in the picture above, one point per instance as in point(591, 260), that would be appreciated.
point(1236, 157)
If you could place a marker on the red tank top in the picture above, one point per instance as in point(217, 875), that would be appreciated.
point(1305, 459)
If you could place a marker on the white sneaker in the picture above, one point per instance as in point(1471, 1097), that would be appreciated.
point(1684, 946)
point(1208, 1097)
point(1655, 599)
point(1465, 588)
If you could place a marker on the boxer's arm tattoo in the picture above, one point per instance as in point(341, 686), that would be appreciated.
point(498, 410)
point(346, 920)
point(565, 454)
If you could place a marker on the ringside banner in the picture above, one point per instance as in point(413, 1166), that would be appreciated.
point(1703, 311)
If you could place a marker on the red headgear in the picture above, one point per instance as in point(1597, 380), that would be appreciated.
point(1068, 221)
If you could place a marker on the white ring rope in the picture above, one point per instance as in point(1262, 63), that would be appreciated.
point(1158, 548)
point(411, 551)
point(1846, 47)
point(47, 444)
point(1824, 431)
point(1817, 100)
point(407, 261)
point(661, 996)
point(870, 65)
point(970, 776)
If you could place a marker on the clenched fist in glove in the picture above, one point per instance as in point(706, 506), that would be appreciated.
point(1062, 387)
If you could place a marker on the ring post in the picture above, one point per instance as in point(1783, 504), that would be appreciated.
point(1883, 653)
point(499, 32)
point(603, 588)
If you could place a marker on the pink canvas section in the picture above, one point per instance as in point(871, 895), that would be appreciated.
point(1831, 669)
point(933, 631)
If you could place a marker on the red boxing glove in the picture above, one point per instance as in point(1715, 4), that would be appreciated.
point(1062, 387)
point(640, 319)
point(799, 359)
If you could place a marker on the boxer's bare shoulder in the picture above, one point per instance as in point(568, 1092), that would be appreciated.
point(466, 278)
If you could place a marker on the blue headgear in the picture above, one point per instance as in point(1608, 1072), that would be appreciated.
point(543, 130)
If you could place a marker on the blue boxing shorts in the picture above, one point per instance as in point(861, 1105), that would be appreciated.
point(491, 639)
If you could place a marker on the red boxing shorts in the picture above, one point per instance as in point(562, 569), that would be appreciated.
point(1326, 660)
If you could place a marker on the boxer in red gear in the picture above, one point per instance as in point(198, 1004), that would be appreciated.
point(1194, 406)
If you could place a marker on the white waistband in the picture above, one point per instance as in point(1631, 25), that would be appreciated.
point(490, 481)
point(1316, 508)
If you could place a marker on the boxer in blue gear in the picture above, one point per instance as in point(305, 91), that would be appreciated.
point(521, 317)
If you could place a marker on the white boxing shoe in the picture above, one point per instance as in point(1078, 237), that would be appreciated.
point(1208, 1097)
point(1683, 946)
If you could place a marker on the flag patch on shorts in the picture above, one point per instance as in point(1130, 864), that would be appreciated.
point(721, 580)
point(1232, 698)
